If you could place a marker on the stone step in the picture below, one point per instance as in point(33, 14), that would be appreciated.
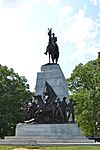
point(17, 142)
point(48, 139)
point(63, 141)
point(45, 137)
point(20, 140)
point(47, 142)
point(68, 144)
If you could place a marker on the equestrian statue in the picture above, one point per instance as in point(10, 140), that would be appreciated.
point(52, 48)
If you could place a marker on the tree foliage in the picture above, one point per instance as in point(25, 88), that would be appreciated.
point(84, 85)
point(14, 90)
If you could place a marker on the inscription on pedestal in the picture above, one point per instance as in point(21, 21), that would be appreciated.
point(53, 130)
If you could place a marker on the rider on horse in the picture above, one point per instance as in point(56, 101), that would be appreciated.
point(52, 47)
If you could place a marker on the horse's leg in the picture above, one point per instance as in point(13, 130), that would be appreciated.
point(56, 61)
point(49, 58)
point(52, 59)
point(56, 58)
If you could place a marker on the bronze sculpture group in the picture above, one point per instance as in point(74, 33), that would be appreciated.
point(49, 109)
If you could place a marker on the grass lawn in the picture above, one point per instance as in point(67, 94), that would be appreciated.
point(50, 148)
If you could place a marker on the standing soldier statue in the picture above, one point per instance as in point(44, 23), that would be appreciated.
point(70, 108)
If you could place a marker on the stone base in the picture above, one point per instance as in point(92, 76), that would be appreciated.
point(53, 74)
point(47, 135)
point(49, 130)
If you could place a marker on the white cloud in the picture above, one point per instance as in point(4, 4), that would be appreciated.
point(19, 47)
point(95, 2)
point(64, 13)
point(98, 21)
point(79, 30)
point(23, 5)
point(80, 55)
point(82, 33)
point(53, 3)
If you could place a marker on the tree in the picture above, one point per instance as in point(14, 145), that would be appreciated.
point(84, 85)
point(14, 90)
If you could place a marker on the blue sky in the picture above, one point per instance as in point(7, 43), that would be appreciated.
point(23, 34)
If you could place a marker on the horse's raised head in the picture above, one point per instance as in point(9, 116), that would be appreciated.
point(49, 31)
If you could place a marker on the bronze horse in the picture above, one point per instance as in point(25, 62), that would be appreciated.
point(52, 48)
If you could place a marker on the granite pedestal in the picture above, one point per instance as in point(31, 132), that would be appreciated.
point(48, 130)
point(53, 74)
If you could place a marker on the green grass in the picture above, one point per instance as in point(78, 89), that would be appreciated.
point(53, 147)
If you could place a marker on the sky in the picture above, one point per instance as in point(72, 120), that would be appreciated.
point(23, 34)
